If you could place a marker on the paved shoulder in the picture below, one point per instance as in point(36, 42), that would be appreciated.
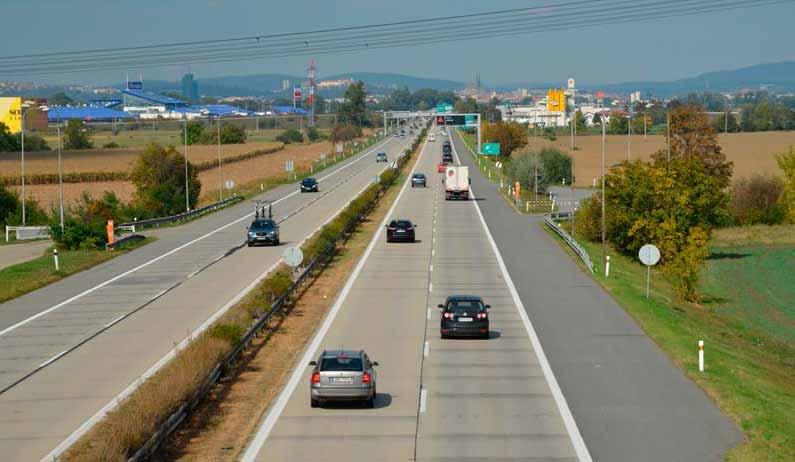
point(20, 253)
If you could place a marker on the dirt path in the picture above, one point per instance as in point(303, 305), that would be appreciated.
point(22, 252)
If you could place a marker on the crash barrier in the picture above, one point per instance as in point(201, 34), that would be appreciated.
point(278, 307)
point(24, 233)
point(139, 224)
point(551, 222)
point(124, 240)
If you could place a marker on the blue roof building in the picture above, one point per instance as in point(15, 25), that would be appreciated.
point(289, 110)
point(86, 113)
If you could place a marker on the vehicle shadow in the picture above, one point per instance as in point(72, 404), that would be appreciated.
point(493, 334)
point(727, 256)
point(382, 400)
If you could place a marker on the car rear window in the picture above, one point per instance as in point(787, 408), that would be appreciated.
point(262, 224)
point(341, 364)
point(465, 305)
point(401, 224)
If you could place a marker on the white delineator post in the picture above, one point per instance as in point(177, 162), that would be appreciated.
point(55, 257)
point(607, 267)
point(701, 356)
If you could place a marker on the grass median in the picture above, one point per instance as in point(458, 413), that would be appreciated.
point(17, 280)
point(746, 320)
point(135, 419)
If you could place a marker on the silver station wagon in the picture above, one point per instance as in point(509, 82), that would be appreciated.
point(343, 375)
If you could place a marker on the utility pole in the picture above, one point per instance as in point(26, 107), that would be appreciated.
point(604, 235)
point(668, 132)
point(629, 135)
point(644, 125)
point(187, 202)
point(220, 176)
point(60, 175)
point(22, 130)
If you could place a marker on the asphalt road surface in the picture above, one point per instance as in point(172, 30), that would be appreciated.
point(92, 336)
point(456, 400)
point(630, 401)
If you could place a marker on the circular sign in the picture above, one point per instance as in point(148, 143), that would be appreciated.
point(649, 255)
point(229, 184)
point(451, 173)
point(293, 256)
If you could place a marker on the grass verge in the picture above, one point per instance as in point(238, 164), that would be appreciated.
point(749, 363)
point(135, 419)
point(19, 279)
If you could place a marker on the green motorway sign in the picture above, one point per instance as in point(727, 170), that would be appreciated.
point(491, 149)
point(470, 120)
point(444, 108)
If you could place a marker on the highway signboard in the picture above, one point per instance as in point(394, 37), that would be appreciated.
point(444, 108)
point(491, 149)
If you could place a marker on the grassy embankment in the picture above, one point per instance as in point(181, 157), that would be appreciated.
point(19, 279)
point(747, 321)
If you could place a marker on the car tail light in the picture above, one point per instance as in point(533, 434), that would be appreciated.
point(482, 315)
point(316, 377)
point(366, 378)
point(448, 316)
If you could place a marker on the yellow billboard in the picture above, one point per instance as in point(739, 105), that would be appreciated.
point(556, 100)
point(11, 112)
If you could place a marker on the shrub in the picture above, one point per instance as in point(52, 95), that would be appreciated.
point(111, 145)
point(9, 203)
point(231, 134)
point(313, 134)
point(159, 179)
point(510, 136)
point(195, 132)
point(758, 200)
point(84, 227)
point(35, 143)
point(588, 219)
point(76, 136)
point(555, 165)
point(344, 132)
point(290, 136)
point(231, 333)
point(523, 169)
point(786, 162)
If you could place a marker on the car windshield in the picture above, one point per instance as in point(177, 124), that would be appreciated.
point(263, 224)
point(341, 364)
point(460, 306)
point(419, 176)
point(402, 224)
point(309, 181)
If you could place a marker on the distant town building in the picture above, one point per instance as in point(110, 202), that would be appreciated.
point(190, 88)
point(285, 85)
point(334, 83)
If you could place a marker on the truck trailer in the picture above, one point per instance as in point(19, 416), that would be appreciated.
point(456, 182)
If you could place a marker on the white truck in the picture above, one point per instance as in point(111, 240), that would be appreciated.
point(456, 182)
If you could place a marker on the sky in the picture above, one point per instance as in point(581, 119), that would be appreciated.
point(658, 51)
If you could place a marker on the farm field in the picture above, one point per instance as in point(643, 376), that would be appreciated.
point(242, 172)
point(112, 160)
point(751, 152)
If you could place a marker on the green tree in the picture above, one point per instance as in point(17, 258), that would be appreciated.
point(159, 179)
point(786, 162)
point(76, 136)
point(510, 136)
point(354, 111)
point(84, 227)
point(9, 203)
point(290, 136)
point(60, 99)
point(344, 132)
point(617, 125)
point(8, 141)
point(313, 134)
point(523, 169)
point(556, 166)
point(195, 133)
point(720, 124)
point(579, 122)
point(464, 106)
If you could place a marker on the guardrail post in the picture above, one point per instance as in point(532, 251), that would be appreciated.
point(7, 233)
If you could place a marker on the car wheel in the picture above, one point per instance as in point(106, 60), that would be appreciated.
point(444, 336)
point(370, 403)
point(249, 244)
point(276, 242)
point(314, 403)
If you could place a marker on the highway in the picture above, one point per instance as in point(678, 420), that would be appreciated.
point(88, 339)
point(456, 400)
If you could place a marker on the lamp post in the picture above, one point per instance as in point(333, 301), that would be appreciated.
point(60, 175)
point(187, 202)
point(629, 134)
point(22, 136)
point(220, 176)
point(604, 235)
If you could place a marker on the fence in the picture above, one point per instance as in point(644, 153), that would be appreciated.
point(549, 219)
point(277, 307)
point(181, 216)
point(28, 232)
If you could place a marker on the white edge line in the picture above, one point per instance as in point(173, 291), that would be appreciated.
point(568, 419)
point(170, 252)
point(423, 400)
point(45, 363)
point(88, 424)
point(430, 287)
point(264, 430)
point(427, 349)
point(115, 321)
point(429, 315)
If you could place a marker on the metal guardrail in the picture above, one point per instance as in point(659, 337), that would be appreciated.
point(28, 232)
point(182, 412)
point(124, 240)
point(549, 219)
point(133, 225)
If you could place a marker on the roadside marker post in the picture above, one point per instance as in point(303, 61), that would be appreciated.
point(701, 356)
point(55, 257)
point(607, 267)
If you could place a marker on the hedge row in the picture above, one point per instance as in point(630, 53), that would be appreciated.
point(96, 177)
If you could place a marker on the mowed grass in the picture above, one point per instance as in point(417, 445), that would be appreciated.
point(19, 279)
point(746, 322)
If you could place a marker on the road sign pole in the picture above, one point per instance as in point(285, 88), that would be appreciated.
point(648, 277)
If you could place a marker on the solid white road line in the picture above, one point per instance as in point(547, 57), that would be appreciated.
point(427, 349)
point(88, 424)
point(265, 428)
point(45, 363)
point(430, 287)
point(429, 313)
point(423, 400)
point(158, 258)
point(568, 419)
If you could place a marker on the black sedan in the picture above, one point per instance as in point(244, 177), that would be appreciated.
point(309, 185)
point(400, 230)
point(262, 231)
point(418, 179)
point(464, 316)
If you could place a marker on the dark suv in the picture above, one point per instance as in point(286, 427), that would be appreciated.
point(400, 230)
point(464, 316)
point(262, 231)
point(309, 185)
point(446, 148)
point(418, 179)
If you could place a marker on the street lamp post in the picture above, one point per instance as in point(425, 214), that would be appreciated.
point(220, 175)
point(187, 202)
point(604, 235)
point(22, 135)
point(60, 175)
point(629, 135)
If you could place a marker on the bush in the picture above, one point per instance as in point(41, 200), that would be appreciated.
point(556, 166)
point(111, 145)
point(84, 227)
point(34, 143)
point(9, 203)
point(231, 134)
point(76, 136)
point(523, 169)
point(588, 219)
point(344, 132)
point(510, 136)
point(230, 333)
point(786, 162)
point(313, 134)
point(758, 200)
point(159, 179)
point(195, 132)
point(290, 136)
